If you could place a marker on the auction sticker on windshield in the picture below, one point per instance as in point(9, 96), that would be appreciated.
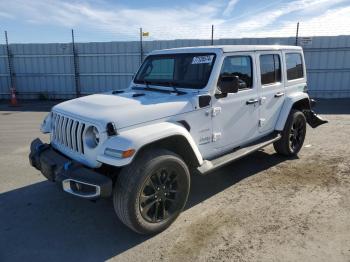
point(205, 59)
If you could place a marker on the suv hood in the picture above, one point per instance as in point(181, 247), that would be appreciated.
point(126, 109)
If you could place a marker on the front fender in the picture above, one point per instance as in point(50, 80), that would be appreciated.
point(289, 101)
point(139, 137)
point(45, 126)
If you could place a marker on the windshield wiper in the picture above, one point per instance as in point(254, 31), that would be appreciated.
point(147, 87)
point(166, 83)
point(146, 83)
point(173, 85)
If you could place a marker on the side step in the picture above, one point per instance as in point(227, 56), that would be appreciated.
point(211, 165)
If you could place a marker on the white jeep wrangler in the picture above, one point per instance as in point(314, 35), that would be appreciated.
point(187, 110)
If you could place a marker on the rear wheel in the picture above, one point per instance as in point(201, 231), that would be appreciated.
point(293, 134)
point(152, 191)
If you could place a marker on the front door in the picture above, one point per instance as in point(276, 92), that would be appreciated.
point(235, 116)
point(271, 89)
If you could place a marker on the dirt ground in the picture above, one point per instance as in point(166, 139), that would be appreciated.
point(261, 208)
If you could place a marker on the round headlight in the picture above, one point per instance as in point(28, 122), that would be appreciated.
point(92, 137)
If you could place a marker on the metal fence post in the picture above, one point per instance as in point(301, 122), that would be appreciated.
point(141, 47)
point(212, 34)
point(297, 35)
point(10, 67)
point(76, 67)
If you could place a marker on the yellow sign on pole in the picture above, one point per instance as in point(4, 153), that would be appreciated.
point(145, 34)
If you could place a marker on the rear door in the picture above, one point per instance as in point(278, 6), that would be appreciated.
point(271, 89)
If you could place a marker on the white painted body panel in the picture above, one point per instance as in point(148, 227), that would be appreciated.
point(294, 91)
point(215, 129)
point(237, 122)
point(287, 105)
point(270, 106)
point(125, 110)
point(138, 137)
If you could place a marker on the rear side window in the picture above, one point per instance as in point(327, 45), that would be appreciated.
point(240, 66)
point(294, 66)
point(270, 69)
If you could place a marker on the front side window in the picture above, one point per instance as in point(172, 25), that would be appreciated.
point(270, 69)
point(180, 70)
point(294, 66)
point(240, 66)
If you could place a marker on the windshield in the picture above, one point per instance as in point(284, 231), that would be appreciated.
point(180, 70)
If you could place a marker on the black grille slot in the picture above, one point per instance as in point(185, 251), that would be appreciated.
point(68, 133)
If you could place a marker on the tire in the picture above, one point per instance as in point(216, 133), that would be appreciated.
point(293, 134)
point(151, 192)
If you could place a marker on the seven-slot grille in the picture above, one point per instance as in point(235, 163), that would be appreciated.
point(68, 132)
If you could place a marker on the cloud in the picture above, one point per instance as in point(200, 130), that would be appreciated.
point(265, 18)
point(6, 15)
point(229, 8)
point(333, 22)
point(271, 22)
point(163, 22)
point(190, 21)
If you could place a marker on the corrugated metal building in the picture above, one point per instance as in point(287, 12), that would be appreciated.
point(48, 69)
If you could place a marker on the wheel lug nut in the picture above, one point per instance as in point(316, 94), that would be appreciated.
point(155, 196)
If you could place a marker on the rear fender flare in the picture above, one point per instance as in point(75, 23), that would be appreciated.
point(287, 106)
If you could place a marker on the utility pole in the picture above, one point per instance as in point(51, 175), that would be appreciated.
point(297, 35)
point(141, 46)
point(212, 34)
point(9, 65)
point(76, 67)
point(11, 72)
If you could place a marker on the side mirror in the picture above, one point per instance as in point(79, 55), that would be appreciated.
point(229, 84)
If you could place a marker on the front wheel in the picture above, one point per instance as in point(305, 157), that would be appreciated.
point(152, 191)
point(293, 134)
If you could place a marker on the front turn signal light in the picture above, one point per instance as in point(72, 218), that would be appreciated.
point(119, 153)
point(128, 153)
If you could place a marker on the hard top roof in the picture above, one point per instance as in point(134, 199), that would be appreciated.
point(226, 49)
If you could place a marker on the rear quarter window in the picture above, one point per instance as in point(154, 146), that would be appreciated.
point(270, 69)
point(294, 64)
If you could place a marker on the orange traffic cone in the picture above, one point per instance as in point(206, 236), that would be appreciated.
point(13, 97)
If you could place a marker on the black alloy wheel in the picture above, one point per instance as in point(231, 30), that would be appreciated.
point(293, 134)
point(159, 196)
point(150, 193)
point(297, 134)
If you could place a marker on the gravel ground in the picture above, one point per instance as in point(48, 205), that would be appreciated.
point(261, 208)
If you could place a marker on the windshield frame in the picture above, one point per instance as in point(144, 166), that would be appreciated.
point(165, 83)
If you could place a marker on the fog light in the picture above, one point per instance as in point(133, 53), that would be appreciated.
point(119, 153)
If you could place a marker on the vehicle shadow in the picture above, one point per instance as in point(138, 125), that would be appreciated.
point(204, 187)
point(39, 222)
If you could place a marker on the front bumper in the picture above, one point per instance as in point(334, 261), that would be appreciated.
point(69, 174)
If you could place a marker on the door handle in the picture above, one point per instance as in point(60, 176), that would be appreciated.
point(279, 94)
point(252, 101)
